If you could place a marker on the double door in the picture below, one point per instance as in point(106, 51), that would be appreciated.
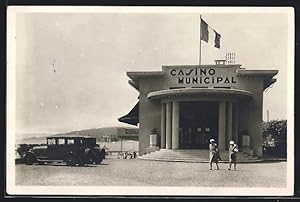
point(196, 137)
point(198, 124)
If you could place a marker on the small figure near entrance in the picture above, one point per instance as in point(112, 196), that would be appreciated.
point(213, 153)
point(233, 150)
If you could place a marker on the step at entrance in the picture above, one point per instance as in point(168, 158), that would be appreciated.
point(193, 155)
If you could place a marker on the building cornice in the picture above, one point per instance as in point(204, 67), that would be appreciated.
point(144, 74)
point(267, 73)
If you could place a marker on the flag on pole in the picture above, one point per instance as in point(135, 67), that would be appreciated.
point(217, 39)
point(204, 31)
point(210, 35)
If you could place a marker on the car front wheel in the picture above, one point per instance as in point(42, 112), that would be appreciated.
point(30, 159)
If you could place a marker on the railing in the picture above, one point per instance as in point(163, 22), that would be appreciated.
point(122, 154)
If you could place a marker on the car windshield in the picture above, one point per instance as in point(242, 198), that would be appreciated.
point(89, 141)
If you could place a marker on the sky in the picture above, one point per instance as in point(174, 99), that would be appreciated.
point(71, 67)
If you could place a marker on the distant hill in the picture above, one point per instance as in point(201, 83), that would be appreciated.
point(95, 132)
point(32, 138)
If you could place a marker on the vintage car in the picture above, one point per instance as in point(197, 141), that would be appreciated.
point(71, 150)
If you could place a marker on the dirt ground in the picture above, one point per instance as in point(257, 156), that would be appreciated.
point(135, 172)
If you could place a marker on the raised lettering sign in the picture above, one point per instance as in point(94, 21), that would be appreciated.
point(203, 76)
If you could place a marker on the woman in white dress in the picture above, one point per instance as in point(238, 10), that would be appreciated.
point(233, 150)
point(213, 153)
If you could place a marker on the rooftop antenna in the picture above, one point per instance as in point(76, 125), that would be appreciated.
point(230, 58)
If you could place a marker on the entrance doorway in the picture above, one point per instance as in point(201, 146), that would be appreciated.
point(198, 123)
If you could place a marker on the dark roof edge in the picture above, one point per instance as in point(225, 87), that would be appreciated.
point(134, 84)
point(269, 83)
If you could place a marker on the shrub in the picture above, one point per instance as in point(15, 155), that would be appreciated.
point(275, 135)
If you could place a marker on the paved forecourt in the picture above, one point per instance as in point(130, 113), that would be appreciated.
point(135, 172)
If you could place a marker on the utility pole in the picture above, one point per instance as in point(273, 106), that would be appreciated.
point(200, 43)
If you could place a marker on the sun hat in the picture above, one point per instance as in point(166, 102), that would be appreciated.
point(231, 142)
point(211, 140)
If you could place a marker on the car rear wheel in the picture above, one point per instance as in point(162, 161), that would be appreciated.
point(98, 160)
point(71, 160)
point(93, 156)
point(100, 157)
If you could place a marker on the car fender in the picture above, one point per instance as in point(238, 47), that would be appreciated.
point(87, 150)
point(29, 153)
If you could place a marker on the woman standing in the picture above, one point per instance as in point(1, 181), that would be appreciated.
point(213, 153)
point(233, 150)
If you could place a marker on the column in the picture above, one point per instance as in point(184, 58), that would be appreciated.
point(229, 123)
point(222, 125)
point(168, 125)
point(236, 123)
point(175, 125)
point(163, 126)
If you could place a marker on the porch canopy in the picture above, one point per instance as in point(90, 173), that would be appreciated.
point(203, 92)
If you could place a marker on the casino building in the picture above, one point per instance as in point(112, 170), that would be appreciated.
point(182, 107)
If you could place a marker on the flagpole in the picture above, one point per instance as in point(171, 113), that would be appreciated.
point(200, 44)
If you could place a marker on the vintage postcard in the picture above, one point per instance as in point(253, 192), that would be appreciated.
point(156, 101)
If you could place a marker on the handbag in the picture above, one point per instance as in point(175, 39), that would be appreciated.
point(218, 156)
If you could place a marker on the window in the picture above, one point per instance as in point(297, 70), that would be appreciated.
point(70, 141)
point(61, 141)
point(51, 141)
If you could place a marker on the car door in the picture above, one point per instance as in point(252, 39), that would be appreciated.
point(52, 148)
point(56, 148)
